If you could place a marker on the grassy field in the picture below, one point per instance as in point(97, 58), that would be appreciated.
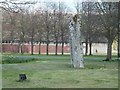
point(56, 72)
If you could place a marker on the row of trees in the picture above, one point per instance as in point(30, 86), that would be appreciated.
point(100, 20)
point(21, 22)
point(41, 25)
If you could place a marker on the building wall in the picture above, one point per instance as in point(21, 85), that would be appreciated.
point(15, 48)
point(97, 48)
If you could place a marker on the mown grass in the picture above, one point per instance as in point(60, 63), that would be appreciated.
point(19, 58)
point(56, 72)
point(8, 59)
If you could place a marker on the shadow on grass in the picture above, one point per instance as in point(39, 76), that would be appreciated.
point(22, 81)
point(90, 66)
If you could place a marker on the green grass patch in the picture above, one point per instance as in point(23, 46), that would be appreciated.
point(8, 59)
point(57, 72)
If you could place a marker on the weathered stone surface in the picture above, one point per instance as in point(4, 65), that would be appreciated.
point(75, 43)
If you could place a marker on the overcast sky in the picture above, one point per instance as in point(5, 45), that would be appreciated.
point(69, 3)
point(40, 3)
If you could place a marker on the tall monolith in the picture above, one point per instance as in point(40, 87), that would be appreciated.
point(76, 46)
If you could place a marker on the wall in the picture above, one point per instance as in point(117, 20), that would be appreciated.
point(97, 48)
point(7, 47)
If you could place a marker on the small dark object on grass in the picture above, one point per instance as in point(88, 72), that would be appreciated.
point(22, 77)
point(106, 60)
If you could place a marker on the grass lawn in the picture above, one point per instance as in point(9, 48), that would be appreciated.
point(56, 72)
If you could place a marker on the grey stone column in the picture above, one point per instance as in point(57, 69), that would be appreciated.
point(75, 43)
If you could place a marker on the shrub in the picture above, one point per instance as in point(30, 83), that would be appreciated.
point(12, 59)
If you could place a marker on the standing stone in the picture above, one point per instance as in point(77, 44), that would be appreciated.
point(75, 43)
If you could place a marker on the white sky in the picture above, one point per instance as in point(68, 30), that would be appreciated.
point(69, 3)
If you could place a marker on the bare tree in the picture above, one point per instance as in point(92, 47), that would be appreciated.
point(119, 29)
point(62, 23)
point(89, 25)
point(9, 21)
point(108, 15)
point(40, 28)
point(55, 25)
point(32, 29)
point(22, 26)
point(47, 26)
point(21, 33)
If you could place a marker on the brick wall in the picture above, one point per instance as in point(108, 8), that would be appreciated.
point(7, 47)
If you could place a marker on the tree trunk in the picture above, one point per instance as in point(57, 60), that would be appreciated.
point(75, 43)
point(21, 51)
point(119, 42)
point(18, 48)
point(86, 47)
point(56, 48)
point(109, 51)
point(62, 48)
point(47, 48)
point(21, 48)
point(109, 47)
point(90, 45)
point(39, 47)
point(32, 47)
point(12, 47)
point(47, 52)
point(119, 30)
